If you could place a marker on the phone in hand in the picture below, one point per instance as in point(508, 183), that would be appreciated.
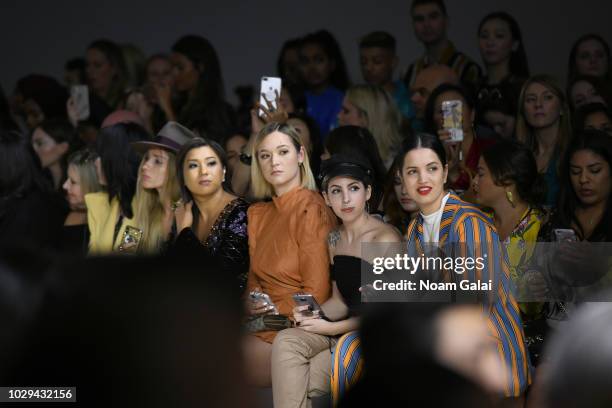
point(565, 235)
point(452, 116)
point(306, 299)
point(80, 97)
point(130, 239)
point(269, 88)
point(257, 296)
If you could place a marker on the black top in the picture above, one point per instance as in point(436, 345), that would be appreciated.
point(75, 239)
point(34, 219)
point(347, 272)
point(227, 242)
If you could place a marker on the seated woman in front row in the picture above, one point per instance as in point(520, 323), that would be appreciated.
point(212, 219)
point(287, 237)
point(301, 356)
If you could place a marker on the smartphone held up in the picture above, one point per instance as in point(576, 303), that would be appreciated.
point(452, 115)
point(269, 89)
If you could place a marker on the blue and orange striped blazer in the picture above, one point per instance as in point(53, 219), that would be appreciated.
point(464, 226)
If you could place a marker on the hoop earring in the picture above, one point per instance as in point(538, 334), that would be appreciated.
point(367, 207)
point(510, 198)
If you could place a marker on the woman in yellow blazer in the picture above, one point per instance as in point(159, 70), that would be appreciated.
point(110, 213)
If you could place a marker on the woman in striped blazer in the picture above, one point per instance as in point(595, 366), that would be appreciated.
point(457, 229)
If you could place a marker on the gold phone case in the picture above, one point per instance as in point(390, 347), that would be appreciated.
point(130, 239)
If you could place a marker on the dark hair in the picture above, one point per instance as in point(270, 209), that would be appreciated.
point(599, 143)
point(601, 86)
point(503, 98)
point(61, 131)
point(431, 102)
point(6, 120)
point(315, 140)
point(120, 161)
point(391, 206)
point(77, 64)
point(511, 162)
point(357, 141)
point(207, 109)
point(571, 70)
point(204, 57)
point(113, 53)
point(439, 3)
point(518, 57)
point(48, 94)
point(293, 43)
point(18, 172)
point(423, 141)
point(378, 39)
point(339, 77)
point(297, 96)
point(582, 113)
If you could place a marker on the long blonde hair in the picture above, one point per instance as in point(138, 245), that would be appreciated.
point(524, 131)
point(382, 115)
point(149, 210)
point(261, 188)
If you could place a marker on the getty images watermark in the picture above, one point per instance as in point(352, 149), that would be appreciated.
point(476, 272)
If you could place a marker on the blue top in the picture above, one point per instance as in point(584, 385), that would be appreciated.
point(402, 100)
point(324, 108)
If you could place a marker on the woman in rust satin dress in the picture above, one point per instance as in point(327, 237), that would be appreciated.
point(287, 236)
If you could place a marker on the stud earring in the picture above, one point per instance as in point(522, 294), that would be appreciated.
point(510, 198)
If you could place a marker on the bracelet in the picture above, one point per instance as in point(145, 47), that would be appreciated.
point(245, 158)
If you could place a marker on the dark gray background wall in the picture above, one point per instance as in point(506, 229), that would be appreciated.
point(39, 36)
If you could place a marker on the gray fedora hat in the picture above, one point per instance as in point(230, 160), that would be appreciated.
point(171, 137)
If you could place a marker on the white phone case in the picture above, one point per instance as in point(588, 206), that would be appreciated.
point(269, 87)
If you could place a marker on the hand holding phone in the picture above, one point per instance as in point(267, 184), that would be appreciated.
point(261, 303)
point(270, 90)
point(307, 305)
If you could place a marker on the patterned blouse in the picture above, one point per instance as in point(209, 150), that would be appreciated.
point(227, 242)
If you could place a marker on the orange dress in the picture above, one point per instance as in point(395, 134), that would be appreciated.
point(288, 249)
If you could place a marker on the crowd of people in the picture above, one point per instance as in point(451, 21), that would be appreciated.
point(281, 197)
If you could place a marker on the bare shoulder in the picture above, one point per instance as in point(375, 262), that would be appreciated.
point(385, 233)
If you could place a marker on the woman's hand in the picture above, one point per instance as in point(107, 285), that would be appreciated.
point(258, 307)
point(312, 321)
point(318, 326)
point(269, 114)
point(183, 216)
